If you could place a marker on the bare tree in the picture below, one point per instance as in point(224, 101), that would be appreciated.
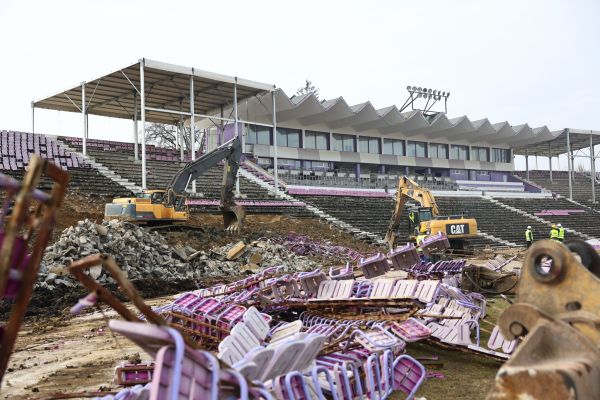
point(163, 135)
point(581, 168)
point(308, 88)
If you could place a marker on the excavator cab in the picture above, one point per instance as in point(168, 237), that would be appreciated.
point(417, 215)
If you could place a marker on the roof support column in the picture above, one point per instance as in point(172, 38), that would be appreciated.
point(275, 172)
point(32, 117)
point(550, 159)
point(569, 164)
point(84, 117)
point(181, 131)
point(235, 133)
point(593, 167)
point(527, 164)
point(192, 125)
point(135, 127)
point(143, 109)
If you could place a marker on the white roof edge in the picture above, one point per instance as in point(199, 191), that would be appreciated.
point(88, 80)
point(176, 69)
point(200, 73)
point(584, 131)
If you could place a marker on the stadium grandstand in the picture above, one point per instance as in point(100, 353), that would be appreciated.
point(337, 161)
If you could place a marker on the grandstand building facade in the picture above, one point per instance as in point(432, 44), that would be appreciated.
point(320, 137)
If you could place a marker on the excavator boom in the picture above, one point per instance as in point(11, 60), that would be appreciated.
point(231, 152)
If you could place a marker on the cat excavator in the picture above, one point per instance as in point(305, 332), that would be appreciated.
point(426, 216)
point(167, 207)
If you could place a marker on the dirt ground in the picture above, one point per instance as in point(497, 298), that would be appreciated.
point(75, 354)
point(78, 354)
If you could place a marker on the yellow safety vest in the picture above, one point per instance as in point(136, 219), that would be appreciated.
point(561, 233)
point(528, 236)
point(554, 234)
point(412, 217)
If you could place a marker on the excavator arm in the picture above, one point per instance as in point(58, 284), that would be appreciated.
point(408, 189)
point(231, 152)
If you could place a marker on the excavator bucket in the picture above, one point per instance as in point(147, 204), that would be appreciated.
point(233, 218)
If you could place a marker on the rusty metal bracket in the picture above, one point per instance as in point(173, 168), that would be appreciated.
point(31, 222)
point(557, 312)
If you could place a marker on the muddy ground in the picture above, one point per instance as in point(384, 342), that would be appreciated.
point(78, 354)
point(57, 353)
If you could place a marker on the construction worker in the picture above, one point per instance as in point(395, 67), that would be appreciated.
point(561, 233)
point(422, 235)
point(411, 217)
point(528, 236)
point(554, 232)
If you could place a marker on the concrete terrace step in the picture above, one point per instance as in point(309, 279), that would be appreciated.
point(104, 170)
point(358, 233)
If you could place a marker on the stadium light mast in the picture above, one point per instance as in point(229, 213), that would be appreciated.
point(430, 96)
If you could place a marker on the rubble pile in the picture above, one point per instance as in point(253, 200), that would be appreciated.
point(146, 255)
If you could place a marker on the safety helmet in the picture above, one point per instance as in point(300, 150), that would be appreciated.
point(559, 225)
point(423, 229)
point(553, 225)
point(529, 227)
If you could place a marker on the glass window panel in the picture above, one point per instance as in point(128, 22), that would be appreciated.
point(398, 148)
point(363, 145)
point(293, 139)
point(411, 149)
point(321, 141)
point(264, 137)
point(281, 138)
point(374, 145)
point(349, 144)
point(388, 147)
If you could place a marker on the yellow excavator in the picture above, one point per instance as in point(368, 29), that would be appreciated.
point(427, 216)
point(167, 207)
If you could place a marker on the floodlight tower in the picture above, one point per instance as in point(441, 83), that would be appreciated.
point(432, 96)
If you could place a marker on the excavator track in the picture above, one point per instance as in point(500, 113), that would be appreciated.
point(174, 228)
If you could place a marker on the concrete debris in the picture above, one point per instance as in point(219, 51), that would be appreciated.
point(146, 255)
point(236, 251)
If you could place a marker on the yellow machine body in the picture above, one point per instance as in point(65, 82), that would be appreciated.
point(146, 208)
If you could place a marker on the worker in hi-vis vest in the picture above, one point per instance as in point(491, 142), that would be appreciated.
point(411, 217)
point(554, 232)
point(528, 236)
point(422, 235)
point(561, 232)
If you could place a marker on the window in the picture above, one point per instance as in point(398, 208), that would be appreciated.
point(264, 161)
point(458, 152)
point(343, 143)
point(258, 135)
point(438, 150)
point(287, 163)
point(393, 146)
point(416, 149)
point(483, 173)
point(368, 145)
point(500, 155)
point(316, 140)
point(479, 154)
point(288, 137)
point(316, 165)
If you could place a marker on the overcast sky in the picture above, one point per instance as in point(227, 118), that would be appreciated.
point(534, 62)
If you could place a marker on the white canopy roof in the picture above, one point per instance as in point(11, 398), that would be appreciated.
point(337, 114)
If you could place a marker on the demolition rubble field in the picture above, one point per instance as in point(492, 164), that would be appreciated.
point(56, 352)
